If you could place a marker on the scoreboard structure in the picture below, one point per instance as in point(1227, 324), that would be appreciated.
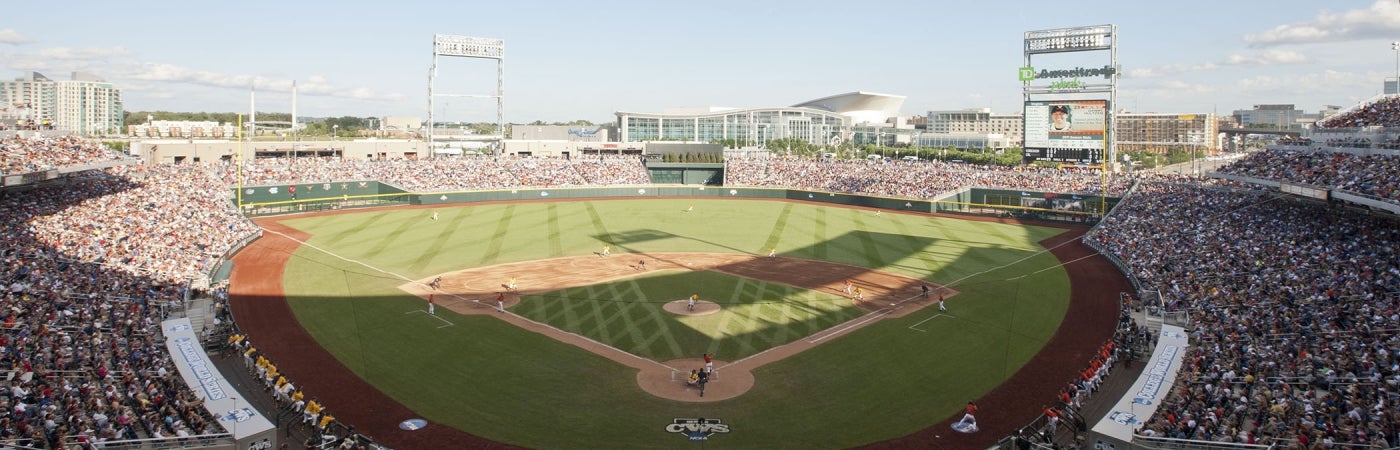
point(1068, 110)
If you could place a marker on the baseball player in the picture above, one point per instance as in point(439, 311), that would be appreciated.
point(924, 287)
point(848, 286)
point(501, 301)
point(435, 216)
point(773, 252)
point(860, 295)
point(691, 306)
point(940, 303)
point(969, 417)
point(431, 310)
point(607, 250)
point(511, 284)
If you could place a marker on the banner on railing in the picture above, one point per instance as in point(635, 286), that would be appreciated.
point(248, 426)
point(1138, 405)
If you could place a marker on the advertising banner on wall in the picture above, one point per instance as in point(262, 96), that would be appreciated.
point(1147, 393)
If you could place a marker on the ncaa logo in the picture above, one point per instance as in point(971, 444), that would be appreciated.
point(697, 429)
point(1123, 418)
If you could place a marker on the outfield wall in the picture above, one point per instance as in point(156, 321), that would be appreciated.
point(309, 197)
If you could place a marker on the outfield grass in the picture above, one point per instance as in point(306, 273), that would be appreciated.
point(879, 382)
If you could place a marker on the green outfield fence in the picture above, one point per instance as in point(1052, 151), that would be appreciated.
point(268, 200)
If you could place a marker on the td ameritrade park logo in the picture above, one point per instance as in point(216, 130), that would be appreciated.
point(697, 429)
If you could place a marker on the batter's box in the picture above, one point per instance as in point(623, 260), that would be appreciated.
point(915, 327)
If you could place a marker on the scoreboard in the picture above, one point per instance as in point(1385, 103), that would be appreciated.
point(1065, 131)
point(1086, 155)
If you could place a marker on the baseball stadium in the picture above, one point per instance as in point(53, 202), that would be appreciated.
point(715, 278)
point(548, 306)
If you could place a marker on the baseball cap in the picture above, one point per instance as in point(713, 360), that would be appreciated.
point(1059, 108)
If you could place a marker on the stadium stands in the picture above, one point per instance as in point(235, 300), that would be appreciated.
point(1294, 308)
point(1373, 175)
point(1383, 112)
point(34, 153)
point(94, 261)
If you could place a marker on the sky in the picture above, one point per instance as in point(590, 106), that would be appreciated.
point(569, 60)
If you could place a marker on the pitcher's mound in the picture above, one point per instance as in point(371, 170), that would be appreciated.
point(702, 307)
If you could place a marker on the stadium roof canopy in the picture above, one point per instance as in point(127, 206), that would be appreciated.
point(861, 107)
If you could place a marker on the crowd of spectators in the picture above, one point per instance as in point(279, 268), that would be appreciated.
point(93, 263)
point(1294, 309)
point(446, 174)
point(912, 179)
point(19, 155)
point(1372, 175)
point(1384, 112)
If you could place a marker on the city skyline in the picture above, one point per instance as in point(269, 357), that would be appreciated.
point(567, 61)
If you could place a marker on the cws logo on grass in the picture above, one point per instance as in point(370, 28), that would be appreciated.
point(697, 429)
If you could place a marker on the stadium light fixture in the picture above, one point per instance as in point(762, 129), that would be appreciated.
point(1396, 46)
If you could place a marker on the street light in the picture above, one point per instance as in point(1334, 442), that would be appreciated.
point(335, 129)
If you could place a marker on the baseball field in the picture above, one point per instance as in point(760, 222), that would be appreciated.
point(592, 347)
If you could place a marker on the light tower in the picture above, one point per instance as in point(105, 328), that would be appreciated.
point(470, 47)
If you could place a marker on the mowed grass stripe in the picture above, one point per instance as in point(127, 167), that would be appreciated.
point(914, 243)
point(498, 237)
point(556, 248)
point(405, 224)
point(775, 236)
point(600, 230)
point(442, 239)
point(870, 252)
point(819, 239)
point(356, 231)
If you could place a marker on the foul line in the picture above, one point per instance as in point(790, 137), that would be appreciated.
point(435, 316)
point(355, 261)
point(585, 338)
point(859, 322)
point(921, 322)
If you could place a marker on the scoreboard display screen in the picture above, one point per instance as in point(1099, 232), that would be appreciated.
point(1065, 130)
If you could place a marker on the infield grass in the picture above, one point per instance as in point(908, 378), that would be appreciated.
point(628, 314)
point(492, 379)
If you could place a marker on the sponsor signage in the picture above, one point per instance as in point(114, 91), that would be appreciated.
point(1106, 72)
point(697, 429)
point(468, 46)
point(1138, 405)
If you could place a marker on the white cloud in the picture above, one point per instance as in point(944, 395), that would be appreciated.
point(1329, 82)
point(60, 59)
point(1169, 70)
point(12, 37)
point(1381, 20)
point(80, 54)
point(317, 85)
point(1267, 57)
